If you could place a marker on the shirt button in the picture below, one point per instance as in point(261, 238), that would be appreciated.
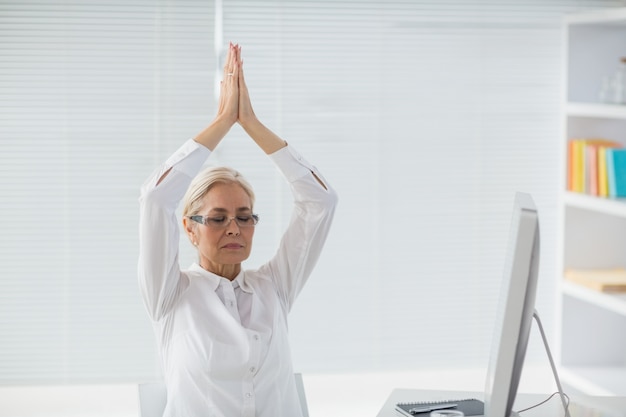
point(248, 395)
point(256, 337)
point(252, 369)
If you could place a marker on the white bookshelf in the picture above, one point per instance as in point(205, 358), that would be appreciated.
point(591, 345)
point(610, 302)
point(596, 110)
point(607, 206)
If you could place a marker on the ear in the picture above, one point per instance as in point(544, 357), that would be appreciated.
point(189, 228)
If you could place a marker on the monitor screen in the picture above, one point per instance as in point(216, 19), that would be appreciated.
point(515, 310)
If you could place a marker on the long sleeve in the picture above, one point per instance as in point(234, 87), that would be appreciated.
point(301, 245)
point(160, 278)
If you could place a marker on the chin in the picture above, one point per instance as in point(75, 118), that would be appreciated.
point(234, 259)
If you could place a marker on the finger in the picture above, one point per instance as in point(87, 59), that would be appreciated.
point(228, 61)
point(234, 69)
point(240, 65)
point(234, 64)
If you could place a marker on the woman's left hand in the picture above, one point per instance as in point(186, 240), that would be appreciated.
point(228, 106)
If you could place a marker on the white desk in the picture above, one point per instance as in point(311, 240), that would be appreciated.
point(580, 407)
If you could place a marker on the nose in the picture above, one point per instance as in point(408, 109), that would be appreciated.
point(233, 228)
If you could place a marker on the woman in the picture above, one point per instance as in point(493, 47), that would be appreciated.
point(222, 330)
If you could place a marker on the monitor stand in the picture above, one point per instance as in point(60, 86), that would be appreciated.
point(554, 372)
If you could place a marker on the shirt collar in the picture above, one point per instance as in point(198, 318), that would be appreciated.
point(242, 282)
point(214, 280)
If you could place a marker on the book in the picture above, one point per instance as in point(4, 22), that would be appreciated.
point(617, 179)
point(603, 184)
point(610, 172)
point(572, 164)
point(597, 170)
point(576, 166)
point(591, 169)
point(587, 168)
point(602, 279)
point(469, 407)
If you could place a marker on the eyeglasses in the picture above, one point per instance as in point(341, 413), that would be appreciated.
point(222, 222)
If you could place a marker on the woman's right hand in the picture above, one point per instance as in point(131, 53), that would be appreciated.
point(246, 113)
point(228, 103)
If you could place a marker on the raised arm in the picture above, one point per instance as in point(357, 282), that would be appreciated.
point(228, 105)
point(267, 140)
point(315, 202)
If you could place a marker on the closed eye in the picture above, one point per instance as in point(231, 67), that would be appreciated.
point(215, 220)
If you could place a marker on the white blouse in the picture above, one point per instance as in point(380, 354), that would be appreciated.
point(224, 345)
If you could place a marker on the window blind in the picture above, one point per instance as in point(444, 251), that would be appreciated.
point(94, 95)
point(425, 116)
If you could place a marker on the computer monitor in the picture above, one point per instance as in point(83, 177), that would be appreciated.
point(515, 310)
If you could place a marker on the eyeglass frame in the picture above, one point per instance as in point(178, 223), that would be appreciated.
point(203, 220)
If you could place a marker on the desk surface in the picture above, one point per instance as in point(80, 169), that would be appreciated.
point(580, 407)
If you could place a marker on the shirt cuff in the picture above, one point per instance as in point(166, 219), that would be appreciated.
point(189, 158)
point(292, 165)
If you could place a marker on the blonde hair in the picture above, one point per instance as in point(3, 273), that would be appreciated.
point(205, 180)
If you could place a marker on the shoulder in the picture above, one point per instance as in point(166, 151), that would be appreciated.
point(257, 279)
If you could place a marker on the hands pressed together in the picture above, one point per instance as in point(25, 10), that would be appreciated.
point(234, 101)
point(234, 107)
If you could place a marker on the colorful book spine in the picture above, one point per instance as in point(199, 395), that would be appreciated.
point(610, 172)
point(603, 184)
point(591, 167)
point(576, 167)
point(619, 172)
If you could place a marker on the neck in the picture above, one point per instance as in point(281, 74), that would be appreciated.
point(229, 272)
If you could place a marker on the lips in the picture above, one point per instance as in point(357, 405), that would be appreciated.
point(232, 246)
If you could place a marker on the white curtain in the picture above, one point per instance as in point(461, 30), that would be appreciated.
point(426, 116)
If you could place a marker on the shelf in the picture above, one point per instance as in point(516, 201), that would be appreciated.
point(583, 378)
point(603, 17)
point(611, 206)
point(615, 302)
point(593, 235)
point(596, 110)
